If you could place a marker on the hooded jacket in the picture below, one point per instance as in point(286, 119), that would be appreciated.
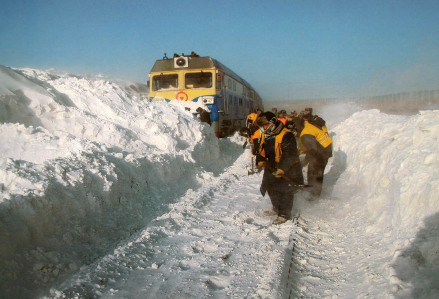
point(315, 141)
point(280, 151)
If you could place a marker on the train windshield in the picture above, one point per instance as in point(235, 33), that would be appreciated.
point(198, 80)
point(162, 82)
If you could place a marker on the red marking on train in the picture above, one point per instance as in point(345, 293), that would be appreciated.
point(182, 96)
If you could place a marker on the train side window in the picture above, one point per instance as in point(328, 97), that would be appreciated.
point(218, 81)
point(162, 82)
point(198, 80)
point(229, 103)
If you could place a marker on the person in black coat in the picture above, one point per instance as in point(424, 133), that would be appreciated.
point(278, 155)
point(204, 115)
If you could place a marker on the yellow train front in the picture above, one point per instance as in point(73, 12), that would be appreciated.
point(228, 97)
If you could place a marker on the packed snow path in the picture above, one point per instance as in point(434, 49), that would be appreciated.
point(214, 242)
point(334, 257)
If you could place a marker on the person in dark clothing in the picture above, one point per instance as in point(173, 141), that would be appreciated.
point(315, 142)
point(282, 169)
point(204, 115)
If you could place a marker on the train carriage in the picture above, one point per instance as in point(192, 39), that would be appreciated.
point(228, 97)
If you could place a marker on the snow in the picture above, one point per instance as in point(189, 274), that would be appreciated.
point(106, 195)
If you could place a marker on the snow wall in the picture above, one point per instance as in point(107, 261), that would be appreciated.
point(85, 163)
point(389, 166)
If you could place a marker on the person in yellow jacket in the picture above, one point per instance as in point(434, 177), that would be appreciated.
point(282, 116)
point(254, 132)
point(315, 143)
point(282, 169)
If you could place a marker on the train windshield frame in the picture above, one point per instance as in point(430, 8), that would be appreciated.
point(164, 82)
point(198, 80)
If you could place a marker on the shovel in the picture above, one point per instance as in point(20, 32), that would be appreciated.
point(253, 167)
point(299, 186)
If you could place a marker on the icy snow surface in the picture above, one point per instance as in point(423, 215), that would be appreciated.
point(104, 195)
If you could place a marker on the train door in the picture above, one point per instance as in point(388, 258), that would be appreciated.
point(226, 125)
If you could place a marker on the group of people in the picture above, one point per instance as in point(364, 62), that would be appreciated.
point(273, 137)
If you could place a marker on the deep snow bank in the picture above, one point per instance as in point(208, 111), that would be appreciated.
point(393, 162)
point(84, 163)
point(375, 231)
point(392, 171)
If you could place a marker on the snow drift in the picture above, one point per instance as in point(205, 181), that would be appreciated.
point(106, 195)
point(380, 209)
point(85, 164)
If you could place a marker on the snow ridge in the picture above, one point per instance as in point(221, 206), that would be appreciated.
point(367, 236)
point(84, 166)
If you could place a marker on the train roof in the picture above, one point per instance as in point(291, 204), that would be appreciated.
point(197, 62)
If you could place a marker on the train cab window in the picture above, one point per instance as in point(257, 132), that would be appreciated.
point(198, 80)
point(162, 82)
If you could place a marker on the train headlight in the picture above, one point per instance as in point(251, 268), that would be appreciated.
point(208, 100)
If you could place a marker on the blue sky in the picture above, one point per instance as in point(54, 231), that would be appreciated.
point(285, 49)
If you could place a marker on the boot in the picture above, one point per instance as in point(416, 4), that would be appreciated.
point(269, 213)
point(280, 220)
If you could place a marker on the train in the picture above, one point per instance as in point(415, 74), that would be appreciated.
point(228, 98)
